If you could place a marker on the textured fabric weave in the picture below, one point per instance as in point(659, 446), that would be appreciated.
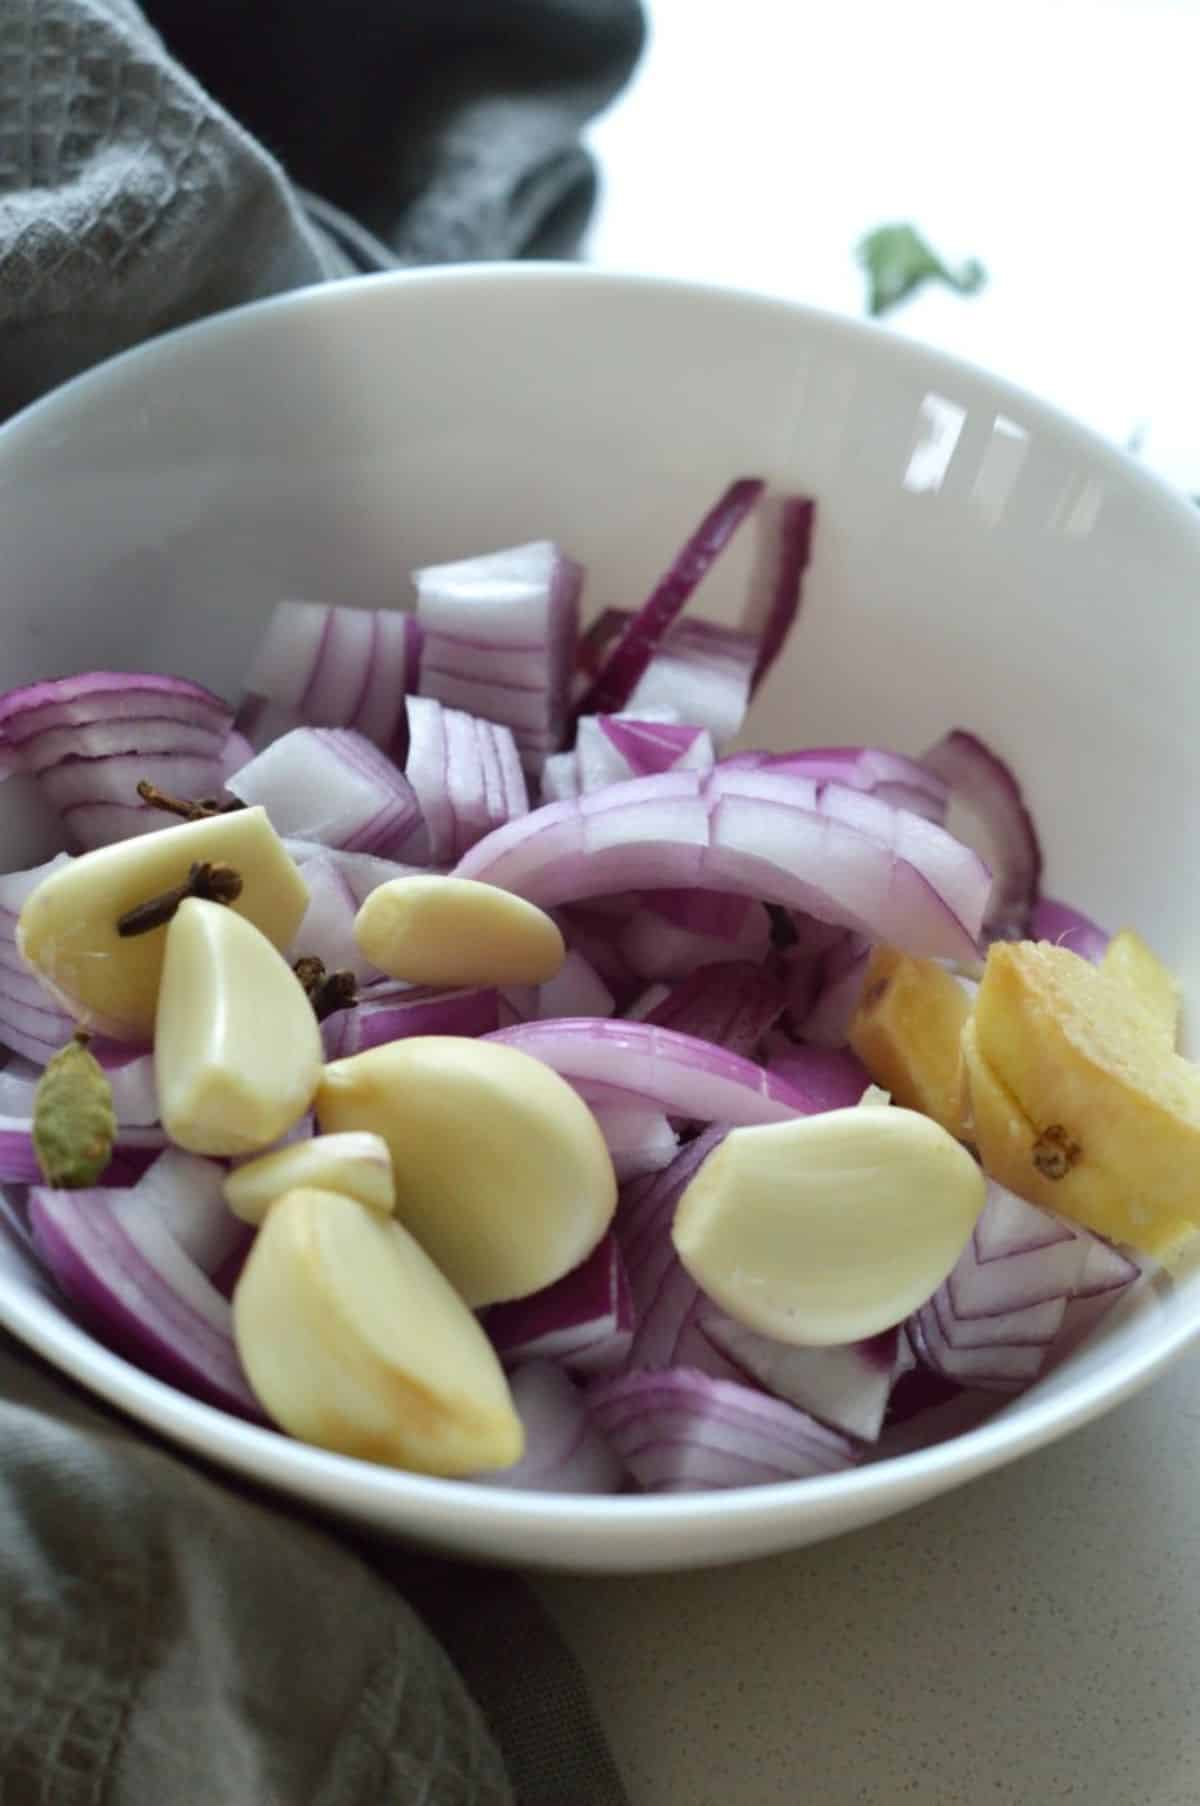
point(132, 201)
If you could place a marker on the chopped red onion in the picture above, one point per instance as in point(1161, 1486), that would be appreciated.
point(832, 1078)
point(575, 990)
point(847, 1388)
point(1067, 927)
point(980, 780)
point(500, 639)
point(88, 740)
point(677, 1073)
point(90, 796)
point(667, 1303)
point(584, 1320)
point(639, 1138)
point(361, 872)
point(683, 1431)
point(637, 642)
point(466, 775)
point(31, 1023)
point(707, 912)
point(560, 777)
point(733, 1005)
point(327, 931)
point(656, 947)
point(391, 1011)
point(840, 987)
point(236, 752)
point(904, 783)
point(564, 1451)
point(794, 529)
point(701, 672)
point(118, 706)
point(332, 785)
point(610, 749)
point(184, 1194)
point(146, 1297)
point(993, 1324)
point(839, 854)
point(589, 931)
point(322, 665)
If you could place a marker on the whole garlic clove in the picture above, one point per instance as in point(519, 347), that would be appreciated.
point(352, 1340)
point(237, 1049)
point(356, 1165)
point(830, 1228)
point(501, 1171)
point(432, 930)
point(68, 926)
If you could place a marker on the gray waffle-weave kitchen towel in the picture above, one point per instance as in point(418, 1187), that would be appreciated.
point(354, 134)
point(166, 1637)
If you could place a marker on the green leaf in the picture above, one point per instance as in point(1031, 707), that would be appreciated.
point(898, 261)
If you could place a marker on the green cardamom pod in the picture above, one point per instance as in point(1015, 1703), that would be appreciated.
point(74, 1125)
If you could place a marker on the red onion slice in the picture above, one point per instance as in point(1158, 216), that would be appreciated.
point(564, 1451)
point(847, 1388)
point(575, 990)
point(327, 931)
point(107, 697)
point(611, 749)
point(560, 778)
point(839, 987)
point(639, 1138)
point(832, 1078)
point(796, 517)
point(668, 1305)
point(500, 640)
point(635, 646)
point(332, 785)
point(183, 1194)
point(321, 665)
point(980, 779)
point(904, 783)
point(146, 1298)
point(996, 1321)
point(584, 1321)
point(676, 1073)
point(732, 1005)
point(1067, 927)
point(390, 1011)
point(838, 854)
point(682, 1431)
point(655, 947)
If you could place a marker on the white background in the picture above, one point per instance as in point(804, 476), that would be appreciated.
point(1057, 140)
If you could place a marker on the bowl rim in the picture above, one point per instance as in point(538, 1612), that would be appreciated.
point(621, 1521)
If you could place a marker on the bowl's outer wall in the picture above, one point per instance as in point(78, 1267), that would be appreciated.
point(979, 561)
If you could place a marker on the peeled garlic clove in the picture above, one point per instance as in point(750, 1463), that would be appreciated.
point(356, 1165)
point(830, 1228)
point(432, 930)
point(352, 1340)
point(501, 1171)
point(68, 927)
point(237, 1050)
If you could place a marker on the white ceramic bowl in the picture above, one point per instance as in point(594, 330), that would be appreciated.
point(979, 561)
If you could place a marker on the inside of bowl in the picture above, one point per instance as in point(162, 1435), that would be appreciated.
point(978, 562)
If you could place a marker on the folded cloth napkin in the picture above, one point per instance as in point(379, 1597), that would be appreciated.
point(137, 194)
point(165, 1634)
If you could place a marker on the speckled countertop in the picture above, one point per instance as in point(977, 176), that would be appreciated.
point(1032, 1638)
